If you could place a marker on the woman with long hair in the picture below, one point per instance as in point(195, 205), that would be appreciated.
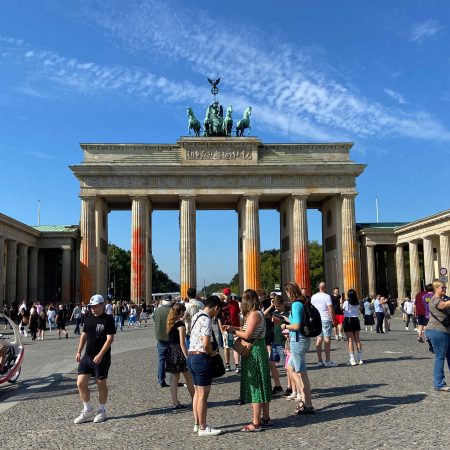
point(255, 377)
point(176, 361)
point(352, 327)
point(299, 346)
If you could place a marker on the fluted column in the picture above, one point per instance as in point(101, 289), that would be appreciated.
point(444, 250)
point(66, 275)
point(400, 269)
point(300, 243)
point(391, 272)
point(350, 259)
point(22, 273)
point(88, 255)
point(428, 260)
point(251, 253)
point(370, 250)
point(2, 271)
point(414, 268)
point(140, 217)
point(188, 259)
point(33, 274)
point(11, 272)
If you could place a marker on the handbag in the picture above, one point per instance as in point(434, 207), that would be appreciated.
point(243, 347)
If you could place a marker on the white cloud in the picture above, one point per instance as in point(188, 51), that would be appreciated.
point(395, 95)
point(424, 30)
point(27, 90)
point(40, 155)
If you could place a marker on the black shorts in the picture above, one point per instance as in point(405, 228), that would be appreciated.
point(422, 320)
point(351, 324)
point(99, 371)
point(61, 326)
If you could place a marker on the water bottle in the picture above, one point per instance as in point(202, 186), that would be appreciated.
point(230, 339)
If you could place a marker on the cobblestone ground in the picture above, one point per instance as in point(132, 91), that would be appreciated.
point(389, 402)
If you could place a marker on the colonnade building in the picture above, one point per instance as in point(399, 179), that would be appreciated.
point(70, 263)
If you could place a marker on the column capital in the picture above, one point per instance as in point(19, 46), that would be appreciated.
point(187, 196)
point(251, 197)
point(300, 196)
point(444, 233)
point(87, 198)
point(139, 197)
point(349, 196)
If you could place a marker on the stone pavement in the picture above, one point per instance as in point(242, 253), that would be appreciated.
point(388, 402)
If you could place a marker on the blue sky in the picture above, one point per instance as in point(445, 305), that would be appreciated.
point(374, 73)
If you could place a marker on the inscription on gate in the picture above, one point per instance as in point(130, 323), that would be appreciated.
point(218, 154)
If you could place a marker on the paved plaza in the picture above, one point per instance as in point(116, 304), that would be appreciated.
point(388, 402)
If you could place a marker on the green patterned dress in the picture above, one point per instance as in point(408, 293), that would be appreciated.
point(255, 376)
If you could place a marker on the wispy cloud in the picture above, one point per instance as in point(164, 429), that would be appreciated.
point(395, 95)
point(27, 90)
point(289, 94)
point(40, 155)
point(424, 30)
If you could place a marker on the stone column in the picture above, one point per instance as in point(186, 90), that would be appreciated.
point(22, 273)
point(66, 275)
point(300, 250)
point(11, 272)
point(350, 259)
point(400, 268)
point(33, 275)
point(251, 250)
point(370, 250)
point(88, 250)
point(414, 268)
point(188, 263)
point(2, 270)
point(444, 250)
point(428, 260)
point(391, 272)
point(140, 261)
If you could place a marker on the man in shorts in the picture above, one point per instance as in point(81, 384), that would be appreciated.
point(60, 318)
point(98, 335)
point(322, 301)
point(336, 299)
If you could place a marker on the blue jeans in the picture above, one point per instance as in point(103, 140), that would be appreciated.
point(380, 319)
point(441, 345)
point(119, 322)
point(77, 325)
point(163, 348)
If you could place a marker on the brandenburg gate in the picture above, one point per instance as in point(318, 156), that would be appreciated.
point(207, 172)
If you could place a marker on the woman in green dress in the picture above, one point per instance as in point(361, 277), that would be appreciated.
point(255, 377)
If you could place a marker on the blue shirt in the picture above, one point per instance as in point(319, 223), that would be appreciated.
point(295, 317)
point(378, 306)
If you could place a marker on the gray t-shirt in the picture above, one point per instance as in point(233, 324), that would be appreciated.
point(435, 323)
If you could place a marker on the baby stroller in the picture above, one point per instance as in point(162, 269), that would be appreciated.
point(12, 353)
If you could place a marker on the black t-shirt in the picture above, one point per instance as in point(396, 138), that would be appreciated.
point(336, 300)
point(269, 324)
point(61, 316)
point(174, 334)
point(97, 329)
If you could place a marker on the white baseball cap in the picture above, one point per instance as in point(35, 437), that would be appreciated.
point(96, 300)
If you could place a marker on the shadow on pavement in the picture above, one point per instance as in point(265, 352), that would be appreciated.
point(344, 390)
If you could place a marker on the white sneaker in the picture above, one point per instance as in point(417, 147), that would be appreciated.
point(299, 398)
point(360, 362)
point(196, 428)
point(85, 416)
point(352, 362)
point(293, 396)
point(406, 328)
point(208, 431)
point(100, 417)
point(336, 337)
point(330, 364)
point(320, 364)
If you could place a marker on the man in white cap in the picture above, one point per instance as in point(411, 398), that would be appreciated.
point(98, 335)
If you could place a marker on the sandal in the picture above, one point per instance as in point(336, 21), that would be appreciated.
point(252, 428)
point(266, 423)
point(303, 409)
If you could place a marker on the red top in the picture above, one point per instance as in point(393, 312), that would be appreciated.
point(420, 306)
point(231, 314)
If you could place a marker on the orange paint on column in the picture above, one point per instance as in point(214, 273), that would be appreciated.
point(252, 266)
point(137, 264)
point(183, 289)
point(301, 269)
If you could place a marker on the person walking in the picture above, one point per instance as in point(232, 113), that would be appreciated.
point(51, 314)
point(117, 314)
point(299, 346)
point(379, 313)
point(387, 316)
point(176, 362)
point(162, 337)
point(322, 301)
point(336, 299)
point(143, 316)
point(60, 319)
point(408, 308)
point(352, 327)
point(76, 314)
point(42, 324)
point(255, 376)
point(438, 332)
point(98, 336)
point(199, 363)
point(33, 323)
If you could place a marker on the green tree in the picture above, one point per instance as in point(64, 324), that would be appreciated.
point(214, 287)
point(119, 265)
point(315, 264)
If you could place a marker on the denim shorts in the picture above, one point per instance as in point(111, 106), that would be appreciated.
point(200, 368)
point(277, 353)
point(327, 328)
point(299, 348)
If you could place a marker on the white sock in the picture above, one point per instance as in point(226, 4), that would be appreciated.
point(101, 407)
point(87, 407)
point(352, 357)
point(360, 355)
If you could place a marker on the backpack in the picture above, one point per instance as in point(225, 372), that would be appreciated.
point(311, 325)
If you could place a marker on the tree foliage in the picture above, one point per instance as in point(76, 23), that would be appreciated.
point(119, 265)
point(214, 287)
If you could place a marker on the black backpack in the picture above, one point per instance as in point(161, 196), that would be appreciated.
point(311, 325)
